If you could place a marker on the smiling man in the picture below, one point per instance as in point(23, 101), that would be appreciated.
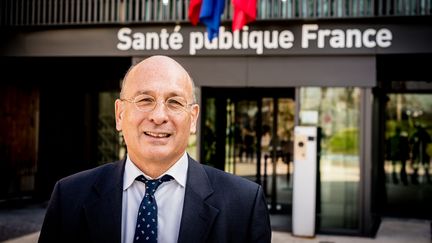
point(157, 193)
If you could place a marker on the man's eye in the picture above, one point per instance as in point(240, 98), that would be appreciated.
point(145, 101)
point(175, 102)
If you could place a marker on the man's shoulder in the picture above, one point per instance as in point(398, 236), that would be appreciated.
point(231, 187)
point(225, 180)
point(91, 176)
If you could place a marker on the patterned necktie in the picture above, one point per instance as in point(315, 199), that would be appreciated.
point(146, 226)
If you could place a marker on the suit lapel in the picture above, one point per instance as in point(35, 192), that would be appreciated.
point(198, 216)
point(104, 211)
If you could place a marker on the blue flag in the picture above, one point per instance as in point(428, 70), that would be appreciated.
point(210, 15)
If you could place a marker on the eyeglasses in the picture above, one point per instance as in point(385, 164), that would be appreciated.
point(147, 103)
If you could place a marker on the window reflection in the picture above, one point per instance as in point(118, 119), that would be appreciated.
point(209, 133)
point(408, 151)
point(408, 139)
point(337, 112)
point(110, 144)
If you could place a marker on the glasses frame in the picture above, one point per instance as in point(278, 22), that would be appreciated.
point(135, 101)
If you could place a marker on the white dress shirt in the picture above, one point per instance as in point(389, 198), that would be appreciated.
point(169, 198)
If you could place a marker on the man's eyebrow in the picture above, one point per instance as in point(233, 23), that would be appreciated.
point(174, 93)
point(169, 94)
point(140, 92)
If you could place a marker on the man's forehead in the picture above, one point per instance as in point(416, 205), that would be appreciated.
point(159, 67)
point(159, 64)
point(157, 84)
point(158, 78)
point(156, 91)
point(155, 73)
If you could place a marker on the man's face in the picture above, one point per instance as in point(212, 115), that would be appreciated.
point(158, 135)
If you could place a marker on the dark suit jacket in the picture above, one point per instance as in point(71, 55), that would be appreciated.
point(218, 207)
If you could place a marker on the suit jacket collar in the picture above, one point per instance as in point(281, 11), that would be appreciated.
point(104, 209)
point(198, 215)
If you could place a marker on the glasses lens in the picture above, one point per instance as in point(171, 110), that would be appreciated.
point(145, 102)
point(176, 104)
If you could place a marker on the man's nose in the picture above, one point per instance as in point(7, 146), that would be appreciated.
point(159, 114)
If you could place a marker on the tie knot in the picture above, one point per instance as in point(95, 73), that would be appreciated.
point(152, 185)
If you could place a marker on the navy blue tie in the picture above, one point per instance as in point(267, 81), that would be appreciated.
point(146, 226)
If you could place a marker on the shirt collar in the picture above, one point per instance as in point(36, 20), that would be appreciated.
point(178, 171)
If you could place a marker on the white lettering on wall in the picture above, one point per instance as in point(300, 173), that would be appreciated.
point(149, 40)
point(384, 38)
point(125, 41)
point(312, 36)
point(257, 40)
point(307, 35)
point(196, 42)
point(338, 38)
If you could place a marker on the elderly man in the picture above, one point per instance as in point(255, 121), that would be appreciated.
point(157, 193)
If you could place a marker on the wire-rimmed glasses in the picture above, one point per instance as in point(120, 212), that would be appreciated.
point(147, 103)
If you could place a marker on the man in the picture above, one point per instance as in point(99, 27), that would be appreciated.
point(156, 113)
point(420, 141)
point(398, 151)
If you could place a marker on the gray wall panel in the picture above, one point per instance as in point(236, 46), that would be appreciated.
point(216, 71)
point(312, 71)
point(332, 71)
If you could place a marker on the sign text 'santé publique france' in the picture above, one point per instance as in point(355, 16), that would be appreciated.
point(311, 36)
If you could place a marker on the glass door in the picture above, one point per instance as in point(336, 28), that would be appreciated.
point(251, 130)
point(408, 151)
point(337, 112)
point(277, 125)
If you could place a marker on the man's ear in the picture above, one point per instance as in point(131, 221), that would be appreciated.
point(119, 110)
point(194, 118)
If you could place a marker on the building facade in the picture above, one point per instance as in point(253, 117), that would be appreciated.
point(357, 69)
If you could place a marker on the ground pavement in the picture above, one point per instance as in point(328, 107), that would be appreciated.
point(23, 225)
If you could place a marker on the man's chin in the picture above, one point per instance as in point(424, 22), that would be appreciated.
point(156, 153)
point(157, 142)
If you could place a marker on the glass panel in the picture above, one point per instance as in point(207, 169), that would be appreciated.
point(241, 138)
point(336, 112)
point(192, 147)
point(267, 144)
point(252, 136)
point(408, 153)
point(19, 133)
point(285, 129)
point(110, 144)
point(277, 152)
point(209, 133)
point(233, 139)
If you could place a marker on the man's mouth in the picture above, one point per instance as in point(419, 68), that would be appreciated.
point(157, 134)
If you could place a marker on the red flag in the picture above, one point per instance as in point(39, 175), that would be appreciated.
point(244, 12)
point(194, 11)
